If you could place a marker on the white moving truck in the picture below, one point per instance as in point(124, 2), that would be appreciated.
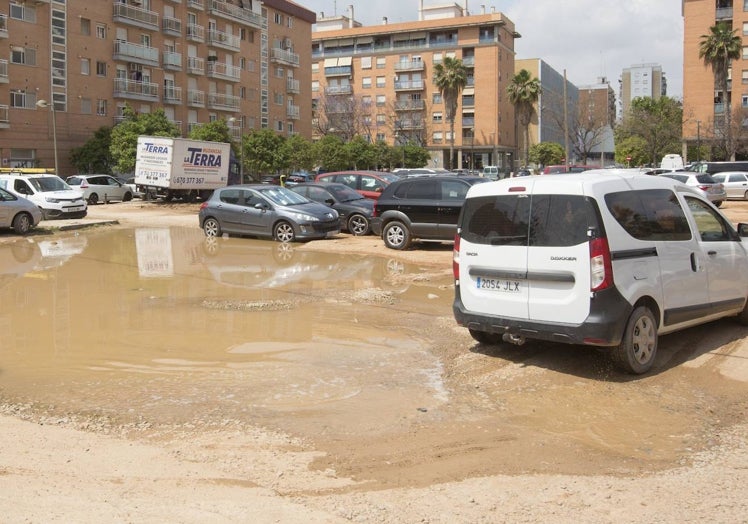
point(181, 168)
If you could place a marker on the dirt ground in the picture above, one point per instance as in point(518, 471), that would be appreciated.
point(525, 436)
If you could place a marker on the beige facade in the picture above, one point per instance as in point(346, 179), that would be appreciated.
point(377, 82)
point(703, 103)
point(199, 60)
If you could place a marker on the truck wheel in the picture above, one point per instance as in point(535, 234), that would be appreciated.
point(283, 232)
point(396, 235)
point(93, 199)
point(636, 352)
point(358, 225)
point(22, 223)
point(211, 227)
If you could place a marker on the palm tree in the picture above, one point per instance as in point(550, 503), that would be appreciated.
point(524, 92)
point(450, 77)
point(717, 49)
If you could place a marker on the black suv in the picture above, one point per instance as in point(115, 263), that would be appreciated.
point(425, 207)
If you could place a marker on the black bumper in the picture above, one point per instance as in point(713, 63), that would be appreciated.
point(609, 313)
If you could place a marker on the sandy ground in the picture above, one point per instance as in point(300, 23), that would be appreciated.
point(55, 469)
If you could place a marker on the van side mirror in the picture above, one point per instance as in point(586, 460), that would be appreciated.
point(743, 229)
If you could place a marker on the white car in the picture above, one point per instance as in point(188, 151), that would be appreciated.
point(735, 182)
point(50, 193)
point(101, 188)
point(602, 258)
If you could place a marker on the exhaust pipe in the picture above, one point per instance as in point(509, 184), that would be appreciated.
point(517, 340)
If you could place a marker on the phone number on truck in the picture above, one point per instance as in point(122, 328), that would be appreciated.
point(188, 180)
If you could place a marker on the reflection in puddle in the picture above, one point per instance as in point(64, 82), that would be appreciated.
point(160, 323)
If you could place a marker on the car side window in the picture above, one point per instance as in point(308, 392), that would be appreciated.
point(712, 227)
point(21, 187)
point(650, 214)
point(232, 196)
point(453, 190)
point(6, 197)
point(252, 199)
point(424, 189)
point(369, 183)
point(317, 194)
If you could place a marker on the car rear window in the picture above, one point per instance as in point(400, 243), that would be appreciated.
point(539, 220)
point(705, 178)
point(651, 214)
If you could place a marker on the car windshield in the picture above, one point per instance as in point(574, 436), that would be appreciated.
point(282, 196)
point(49, 183)
point(389, 177)
point(344, 193)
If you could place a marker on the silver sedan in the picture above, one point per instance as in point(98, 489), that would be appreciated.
point(18, 213)
point(735, 182)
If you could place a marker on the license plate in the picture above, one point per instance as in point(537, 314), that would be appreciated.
point(499, 284)
point(72, 209)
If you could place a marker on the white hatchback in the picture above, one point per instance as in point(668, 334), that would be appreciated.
point(603, 258)
point(101, 188)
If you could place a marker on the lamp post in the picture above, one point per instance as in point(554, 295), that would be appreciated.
point(44, 103)
point(241, 148)
point(472, 145)
point(698, 140)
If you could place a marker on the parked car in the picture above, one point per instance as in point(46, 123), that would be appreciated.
point(18, 213)
point(735, 184)
point(424, 207)
point(703, 182)
point(300, 177)
point(369, 183)
point(50, 193)
point(606, 258)
point(266, 211)
point(354, 209)
point(101, 188)
point(130, 182)
point(554, 170)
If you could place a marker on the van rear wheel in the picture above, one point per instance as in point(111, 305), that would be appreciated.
point(636, 352)
point(490, 339)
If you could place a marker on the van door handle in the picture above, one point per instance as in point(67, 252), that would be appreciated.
point(711, 253)
point(694, 263)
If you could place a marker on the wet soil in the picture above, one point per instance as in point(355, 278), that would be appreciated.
point(329, 382)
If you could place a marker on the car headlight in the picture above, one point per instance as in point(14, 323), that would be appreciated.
point(303, 217)
point(52, 200)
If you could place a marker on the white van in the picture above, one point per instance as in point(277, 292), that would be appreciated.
point(50, 193)
point(491, 172)
point(603, 258)
point(672, 162)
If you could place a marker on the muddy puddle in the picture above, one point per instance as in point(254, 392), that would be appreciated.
point(357, 355)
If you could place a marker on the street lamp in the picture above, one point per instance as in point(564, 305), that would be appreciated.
point(44, 103)
point(472, 145)
point(241, 148)
point(698, 140)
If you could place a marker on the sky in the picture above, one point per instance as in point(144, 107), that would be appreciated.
point(586, 38)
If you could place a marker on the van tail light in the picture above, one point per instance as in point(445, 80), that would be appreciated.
point(456, 259)
point(601, 268)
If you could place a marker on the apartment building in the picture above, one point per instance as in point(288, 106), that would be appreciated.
point(641, 80)
point(703, 101)
point(377, 82)
point(72, 67)
point(597, 114)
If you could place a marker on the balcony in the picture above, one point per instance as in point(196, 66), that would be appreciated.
point(3, 26)
point(137, 16)
point(338, 108)
point(172, 61)
point(339, 90)
point(196, 4)
point(223, 71)
point(223, 102)
point(235, 131)
point(409, 125)
point(4, 72)
point(723, 13)
point(171, 26)
point(195, 65)
point(137, 53)
point(195, 98)
point(235, 13)
point(135, 90)
point(468, 121)
point(195, 33)
point(409, 65)
point(193, 125)
point(339, 71)
point(225, 40)
point(4, 116)
point(468, 101)
point(284, 56)
point(409, 105)
point(293, 86)
point(468, 61)
point(409, 85)
point(719, 108)
point(293, 112)
point(172, 95)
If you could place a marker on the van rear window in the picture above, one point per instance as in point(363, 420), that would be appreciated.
point(649, 214)
point(522, 220)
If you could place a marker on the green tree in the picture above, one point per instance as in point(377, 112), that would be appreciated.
point(717, 49)
point(524, 92)
point(263, 152)
point(657, 122)
point(298, 153)
point(215, 131)
point(546, 153)
point(415, 155)
point(450, 77)
point(124, 136)
point(331, 153)
point(632, 151)
point(362, 153)
point(94, 156)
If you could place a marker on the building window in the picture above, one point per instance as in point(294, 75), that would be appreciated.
point(315, 67)
point(380, 81)
point(278, 98)
point(279, 72)
point(381, 120)
point(437, 116)
point(381, 99)
point(381, 62)
point(22, 99)
point(251, 65)
point(101, 31)
point(100, 68)
point(289, 22)
point(279, 126)
point(380, 137)
point(366, 101)
point(23, 12)
point(86, 106)
point(366, 82)
point(278, 18)
point(101, 107)
point(437, 98)
point(23, 55)
point(437, 137)
point(85, 27)
point(366, 62)
point(315, 86)
point(85, 66)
